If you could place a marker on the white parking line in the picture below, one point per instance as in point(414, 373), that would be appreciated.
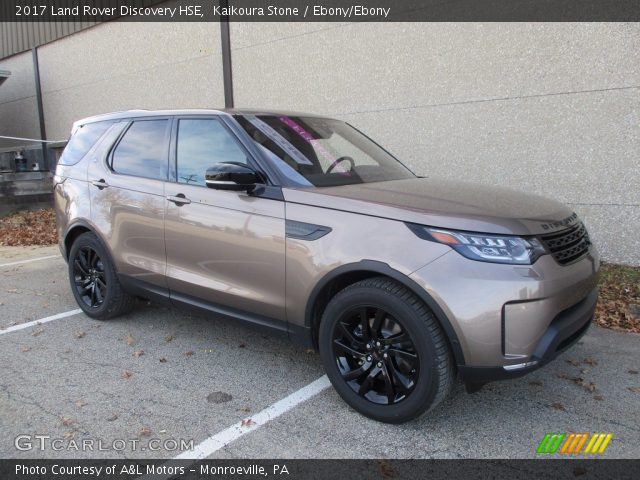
point(42, 320)
point(225, 437)
point(29, 261)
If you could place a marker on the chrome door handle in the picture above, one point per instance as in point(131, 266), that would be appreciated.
point(179, 199)
point(99, 183)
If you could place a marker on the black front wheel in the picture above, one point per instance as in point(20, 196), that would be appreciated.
point(384, 351)
point(94, 282)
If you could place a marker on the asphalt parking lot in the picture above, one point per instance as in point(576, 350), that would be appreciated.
point(163, 375)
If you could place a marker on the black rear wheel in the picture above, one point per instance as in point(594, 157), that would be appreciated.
point(89, 277)
point(384, 351)
point(94, 281)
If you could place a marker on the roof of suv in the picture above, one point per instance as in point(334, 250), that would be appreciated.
point(193, 111)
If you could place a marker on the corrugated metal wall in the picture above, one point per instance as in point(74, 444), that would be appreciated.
point(16, 37)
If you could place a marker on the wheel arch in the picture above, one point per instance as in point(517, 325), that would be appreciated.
point(75, 230)
point(346, 275)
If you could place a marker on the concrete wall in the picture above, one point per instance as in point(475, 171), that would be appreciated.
point(126, 65)
point(18, 109)
point(546, 108)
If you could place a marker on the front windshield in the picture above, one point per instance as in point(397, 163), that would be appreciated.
point(321, 152)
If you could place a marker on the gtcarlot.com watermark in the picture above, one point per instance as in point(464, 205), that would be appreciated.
point(26, 443)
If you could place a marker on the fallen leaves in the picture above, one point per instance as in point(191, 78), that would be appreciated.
point(163, 360)
point(634, 389)
point(587, 361)
point(189, 353)
point(66, 421)
point(632, 371)
point(590, 386)
point(245, 409)
point(169, 338)
point(29, 227)
point(558, 406)
point(536, 383)
point(138, 353)
point(580, 381)
point(126, 375)
point(80, 403)
point(80, 334)
point(25, 349)
point(129, 339)
point(12, 290)
point(37, 332)
point(112, 418)
point(617, 307)
point(145, 432)
point(247, 422)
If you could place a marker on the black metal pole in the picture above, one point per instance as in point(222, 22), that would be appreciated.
point(43, 132)
point(225, 43)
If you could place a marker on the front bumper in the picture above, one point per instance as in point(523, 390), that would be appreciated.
point(511, 319)
point(563, 332)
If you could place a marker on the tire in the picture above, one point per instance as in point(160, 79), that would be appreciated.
point(416, 373)
point(94, 281)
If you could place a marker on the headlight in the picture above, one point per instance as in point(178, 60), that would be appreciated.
point(485, 247)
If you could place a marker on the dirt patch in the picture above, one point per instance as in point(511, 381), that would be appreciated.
point(618, 306)
point(219, 397)
point(29, 227)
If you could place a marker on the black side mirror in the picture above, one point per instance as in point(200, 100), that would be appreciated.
point(232, 176)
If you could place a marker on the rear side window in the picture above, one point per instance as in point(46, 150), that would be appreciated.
point(81, 142)
point(142, 152)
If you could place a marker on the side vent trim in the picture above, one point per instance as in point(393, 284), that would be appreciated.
point(305, 231)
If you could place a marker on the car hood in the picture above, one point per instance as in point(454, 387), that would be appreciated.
point(443, 203)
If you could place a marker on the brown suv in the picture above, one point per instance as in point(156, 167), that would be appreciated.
point(303, 224)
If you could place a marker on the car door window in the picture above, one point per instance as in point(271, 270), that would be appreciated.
point(201, 144)
point(142, 152)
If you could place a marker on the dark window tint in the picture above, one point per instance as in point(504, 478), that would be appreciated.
point(201, 144)
point(81, 142)
point(143, 150)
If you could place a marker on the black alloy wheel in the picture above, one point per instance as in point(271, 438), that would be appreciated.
point(89, 277)
point(94, 280)
point(375, 355)
point(384, 350)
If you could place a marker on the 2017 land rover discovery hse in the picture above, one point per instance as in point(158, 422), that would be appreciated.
point(303, 224)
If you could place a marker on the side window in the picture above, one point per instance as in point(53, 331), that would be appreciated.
point(142, 151)
point(201, 144)
point(81, 142)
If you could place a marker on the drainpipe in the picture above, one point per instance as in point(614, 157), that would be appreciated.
point(225, 44)
point(43, 133)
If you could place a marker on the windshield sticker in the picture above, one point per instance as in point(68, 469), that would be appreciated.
point(282, 142)
point(309, 138)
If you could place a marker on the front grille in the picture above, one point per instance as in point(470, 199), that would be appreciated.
point(569, 245)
